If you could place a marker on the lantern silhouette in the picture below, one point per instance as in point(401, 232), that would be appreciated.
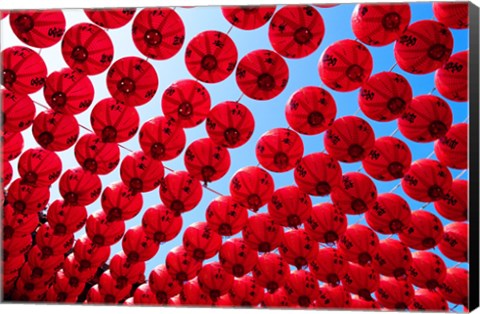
point(277, 299)
point(271, 271)
point(394, 294)
point(66, 219)
point(161, 224)
point(96, 156)
point(109, 290)
point(36, 259)
point(302, 288)
point(18, 111)
point(455, 242)
point(453, 15)
point(298, 248)
point(246, 292)
point(423, 232)
point(236, 257)
point(279, 150)
point(110, 18)
point(88, 254)
point(358, 303)
point(26, 199)
point(200, 241)
point(425, 299)
point(162, 138)
point(143, 295)
point(7, 173)
point(318, 174)
point(103, 232)
point(138, 246)
point(17, 225)
point(225, 216)
point(455, 286)
point(14, 247)
point(261, 233)
point(75, 272)
point(140, 172)
point(180, 192)
point(12, 145)
point(52, 244)
point(390, 214)
point(361, 280)
point(181, 265)
point(39, 167)
point(120, 203)
point(326, 223)
point(79, 187)
point(55, 131)
point(451, 80)
point(214, 280)
point(191, 294)
point(162, 285)
point(329, 266)
point(356, 194)
point(428, 270)
point(289, 206)
point(248, 17)
point(454, 206)
point(393, 259)
point(452, 149)
point(126, 273)
point(359, 244)
point(252, 187)
point(333, 297)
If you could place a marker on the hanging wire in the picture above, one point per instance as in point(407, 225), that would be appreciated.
point(239, 98)
point(392, 67)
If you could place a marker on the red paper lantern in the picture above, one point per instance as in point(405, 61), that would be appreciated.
point(296, 31)
point(17, 225)
point(96, 156)
point(79, 187)
point(230, 124)
point(390, 214)
point(161, 138)
point(88, 254)
point(126, 273)
point(424, 47)
point(187, 102)
point(252, 187)
point(427, 300)
point(318, 174)
point(356, 194)
point(380, 24)
point(262, 74)
point(55, 131)
point(161, 224)
point(87, 48)
point(18, 111)
point(110, 291)
point(206, 161)
point(163, 286)
point(36, 259)
point(114, 122)
point(29, 276)
point(75, 272)
point(138, 246)
point(39, 167)
point(66, 219)
point(428, 270)
point(455, 204)
point(200, 241)
point(26, 199)
point(277, 299)
point(423, 232)
point(211, 56)
point(261, 233)
point(345, 65)
point(359, 244)
point(279, 150)
point(246, 292)
point(181, 265)
point(298, 248)
point(302, 288)
point(226, 216)
point(66, 292)
point(452, 149)
point(394, 294)
point(143, 295)
point(453, 15)
point(329, 266)
point(214, 280)
point(140, 172)
point(455, 242)
point(393, 259)
point(236, 257)
point(455, 286)
point(289, 206)
point(52, 244)
point(14, 247)
point(132, 81)
point(191, 294)
point(349, 139)
point(158, 33)
point(12, 145)
point(120, 203)
point(361, 280)
point(24, 71)
point(271, 271)
point(326, 223)
point(110, 18)
point(248, 17)
point(180, 192)
point(427, 180)
point(451, 80)
point(333, 297)
point(103, 232)
point(13, 265)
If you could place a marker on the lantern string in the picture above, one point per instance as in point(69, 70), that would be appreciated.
point(130, 150)
point(240, 98)
point(392, 67)
point(230, 29)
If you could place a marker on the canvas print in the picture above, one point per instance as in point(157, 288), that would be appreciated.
point(279, 156)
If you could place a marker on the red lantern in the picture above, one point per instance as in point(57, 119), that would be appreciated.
point(455, 204)
point(138, 246)
point(52, 244)
point(455, 286)
point(426, 119)
point(358, 303)
point(36, 259)
point(158, 33)
point(103, 232)
point(423, 232)
point(452, 149)
point(187, 102)
point(24, 71)
point(349, 139)
point(333, 297)
point(26, 199)
point(271, 271)
point(88, 254)
point(455, 242)
point(345, 65)
point(18, 111)
point(302, 288)
point(96, 156)
point(66, 219)
point(77, 273)
point(296, 31)
point(55, 131)
point(132, 81)
point(110, 18)
point(143, 295)
point(428, 300)
point(380, 24)
point(246, 292)
point(28, 275)
point(385, 95)
point(119, 203)
point(388, 160)
point(394, 294)
point(163, 286)
point(12, 145)
point(27, 291)
point(68, 91)
point(225, 216)
point(356, 194)
point(39, 167)
point(277, 299)
point(13, 265)
point(162, 138)
point(87, 48)
point(453, 15)
point(180, 192)
point(191, 294)
point(94, 296)
point(359, 244)
point(298, 248)
point(310, 110)
point(427, 180)
point(393, 259)
point(17, 225)
point(126, 273)
point(451, 80)
point(329, 266)
point(16, 246)
point(200, 241)
point(114, 122)
point(262, 74)
point(214, 280)
point(424, 47)
point(79, 187)
point(182, 266)
point(428, 270)
point(110, 291)
point(7, 173)
point(140, 172)
point(206, 161)
point(211, 56)
point(248, 18)
point(261, 233)
point(252, 187)
point(161, 224)
point(390, 214)
point(279, 149)
point(289, 206)
point(361, 280)
point(318, 174)
point(237, 258)
point(230, 124)
point(64, 289)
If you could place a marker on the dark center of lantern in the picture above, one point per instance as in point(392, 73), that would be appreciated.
point(209, 62)
point(232, 136)
point(9, 77)
point(59, 99)
point(185, 110)
point(437, 52)
point(280, 160)
point(90, 164)
point(355, 73)
point(153, 37)
point(45, 138)
point(355, 151)
point(266, 82)
point(126, 85)
point(79, 54)
point(302, 36)
point(437, 129)
point(395, 169)
point(109, 134)
point(315, 119)
point(157, 150)
point(396, 105)
point(24, 23)
point(391, 21)
point(323, 188)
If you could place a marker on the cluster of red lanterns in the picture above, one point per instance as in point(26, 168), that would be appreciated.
point(294, 253)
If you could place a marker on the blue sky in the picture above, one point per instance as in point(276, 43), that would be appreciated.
point(268, 114)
